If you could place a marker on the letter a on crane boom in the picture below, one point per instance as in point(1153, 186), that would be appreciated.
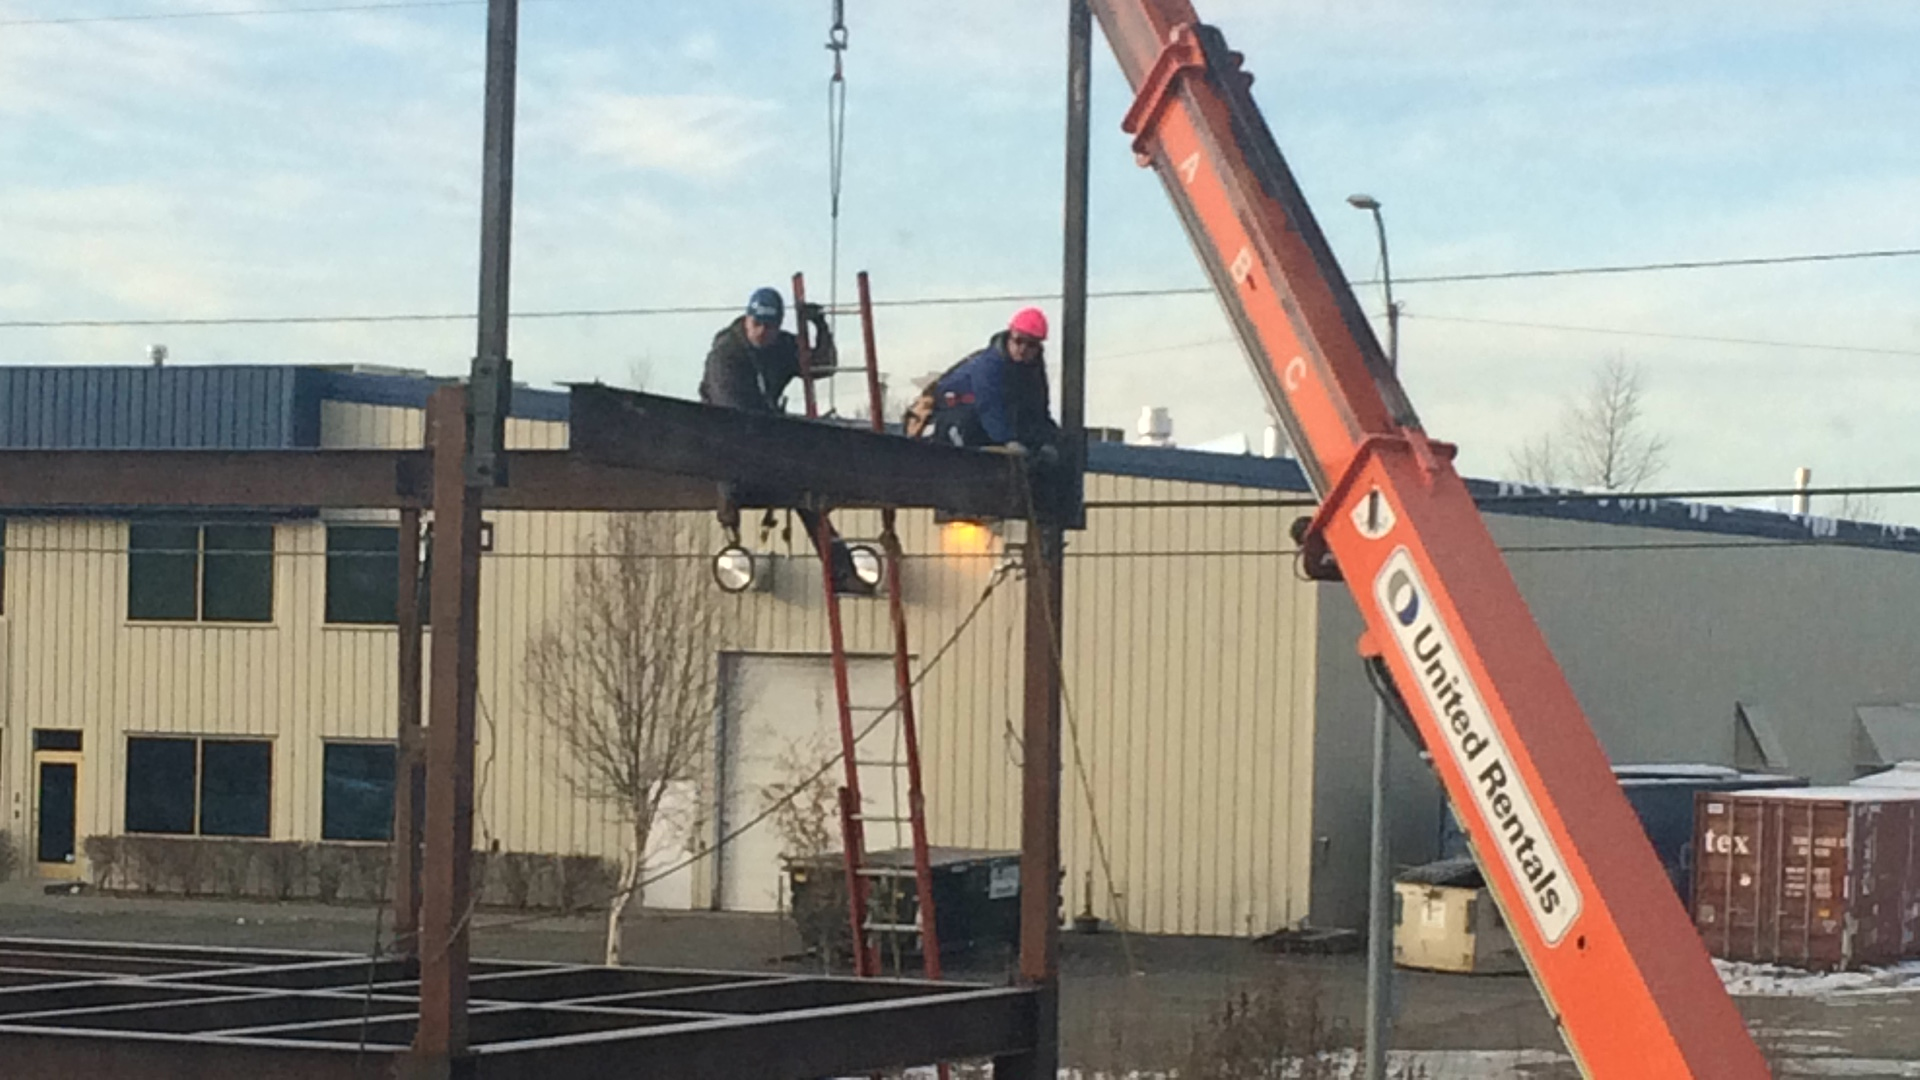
point(1609, 944)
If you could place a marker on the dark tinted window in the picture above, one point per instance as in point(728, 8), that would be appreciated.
point(238, 579)
point(356, 796)
point(160, 789)
point(55, 739)
point(163, 571)
point(363, 570)
point(236, 788)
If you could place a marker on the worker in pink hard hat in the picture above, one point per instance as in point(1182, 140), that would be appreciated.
point(997, 396)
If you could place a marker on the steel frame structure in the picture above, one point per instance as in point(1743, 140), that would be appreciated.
point(113, 1011)
point(632, 452)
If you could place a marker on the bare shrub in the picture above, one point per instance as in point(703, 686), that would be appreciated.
point(625, 677)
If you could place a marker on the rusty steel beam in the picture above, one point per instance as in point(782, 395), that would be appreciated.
point(570, 480)
point(163, 1057)
point(782, 461)
point(93, 480)
point(270, 479)
point(409, 765)
point(440, 1047)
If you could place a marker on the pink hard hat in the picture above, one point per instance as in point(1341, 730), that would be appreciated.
point(1029, 321)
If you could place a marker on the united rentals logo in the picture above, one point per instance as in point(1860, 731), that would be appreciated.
point(1477, 748)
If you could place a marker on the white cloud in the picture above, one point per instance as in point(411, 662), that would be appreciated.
point(699, 136)
point(97, 75)
point(126, 243)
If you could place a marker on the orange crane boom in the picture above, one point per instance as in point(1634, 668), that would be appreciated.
point(1614, 953)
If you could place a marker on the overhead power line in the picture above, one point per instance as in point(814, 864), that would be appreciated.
point(1007, 298)
point(1687, 495)
point(1696, 494)
point(234, 13)
point(1662, 335)
point(1656, 267)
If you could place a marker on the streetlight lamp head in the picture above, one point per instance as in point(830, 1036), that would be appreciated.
point(1363, 202)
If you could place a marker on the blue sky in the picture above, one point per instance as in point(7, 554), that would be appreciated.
point(675, 154)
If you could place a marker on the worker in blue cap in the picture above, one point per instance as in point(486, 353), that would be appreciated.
point(749, 367)
point(753, 360)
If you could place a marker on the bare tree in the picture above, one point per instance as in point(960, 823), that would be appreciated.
point(1854, 506)
point(1602, 440)
point(625, 677)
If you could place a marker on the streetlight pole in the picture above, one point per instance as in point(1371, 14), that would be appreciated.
point(1380, 869)
point(1372, 206)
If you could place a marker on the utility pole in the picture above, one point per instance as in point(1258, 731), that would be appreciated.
point(1379, 1018)
point(467, 429)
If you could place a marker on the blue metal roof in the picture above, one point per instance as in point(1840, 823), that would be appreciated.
point(222, 407)
point(1284, 474)
point(147, 408)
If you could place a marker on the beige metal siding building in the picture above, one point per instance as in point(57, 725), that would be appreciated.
point(1217, 712)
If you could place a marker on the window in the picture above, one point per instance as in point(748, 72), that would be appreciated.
point(356, 792)
point(236, 788)
point(206, 787)
point(56, 739)
point(215, 573)
point(363, 575)
point(160, 785)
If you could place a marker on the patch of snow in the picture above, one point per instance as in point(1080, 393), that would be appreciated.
point(1676, 771)
point(1430, 1064)
point(1772, 980)
point(1876, 1068)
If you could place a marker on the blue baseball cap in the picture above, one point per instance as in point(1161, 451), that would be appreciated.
point(765, 306)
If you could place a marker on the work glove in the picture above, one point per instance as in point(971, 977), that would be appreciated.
point(813, 313)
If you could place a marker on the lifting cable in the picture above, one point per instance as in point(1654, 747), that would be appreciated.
point(836, 156)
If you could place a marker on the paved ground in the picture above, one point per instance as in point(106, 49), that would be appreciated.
point(1127, 1003)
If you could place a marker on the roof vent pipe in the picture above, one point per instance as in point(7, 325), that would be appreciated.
point(1276, 442)
point(1802, 502)
point(157, 355)
point(1156, 426)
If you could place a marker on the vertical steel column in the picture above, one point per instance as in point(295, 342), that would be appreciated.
point(1046, 591)
point(1073, 316)
point(440, 1046)
point(1040, 808)
point(490, 389)
point(409, 767)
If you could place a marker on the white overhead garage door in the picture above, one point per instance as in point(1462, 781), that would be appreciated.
point(780, 722)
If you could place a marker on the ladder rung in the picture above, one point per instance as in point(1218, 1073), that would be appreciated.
point(882, 820)
point(884, 871)
point(880, 761)
point(894, 927)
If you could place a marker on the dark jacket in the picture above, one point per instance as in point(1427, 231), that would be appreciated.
point(739, 376)
point(991, 400)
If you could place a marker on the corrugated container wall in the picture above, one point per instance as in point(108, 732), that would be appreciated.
point(1820, 878)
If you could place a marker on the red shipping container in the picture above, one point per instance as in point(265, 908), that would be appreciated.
point(1821, 878)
